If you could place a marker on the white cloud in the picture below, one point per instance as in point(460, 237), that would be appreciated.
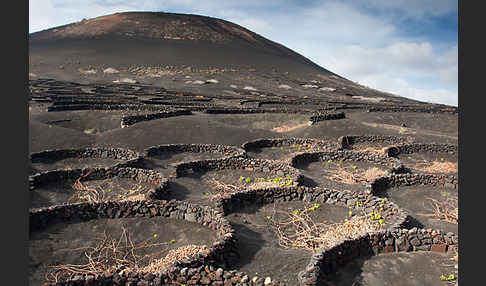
point(41, 14)
point(405, 87)
point(412, 59)
point(413, 70)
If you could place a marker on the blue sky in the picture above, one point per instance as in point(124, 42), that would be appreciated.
point(406, 47)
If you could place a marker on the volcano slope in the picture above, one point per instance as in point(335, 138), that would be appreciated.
point(218, 130)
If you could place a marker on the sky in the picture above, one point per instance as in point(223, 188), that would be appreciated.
point(405, 47)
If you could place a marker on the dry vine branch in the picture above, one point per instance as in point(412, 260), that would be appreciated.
point(446, 210)
point(222, 189)
point(108, 256)
point(96, 194)
point(85, 193)
point(299, 230)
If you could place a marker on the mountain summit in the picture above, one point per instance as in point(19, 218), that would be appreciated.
point(170, 38)
point(165, 49)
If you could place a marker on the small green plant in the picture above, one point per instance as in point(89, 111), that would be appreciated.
point(316, 206)
point(248, 180)
point(89, 131)
point(450, 277)
point(172, 241)
point(155, 235)
point(296, 212)
point(377, 218)
point(242, 178)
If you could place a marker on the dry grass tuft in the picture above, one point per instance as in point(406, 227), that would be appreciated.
point(437, 167)
point(342, 175)
point(369, 149)
point(288, 128)
point(349, 176)
point(261, 185)
point(349, 229)
point(371, 174)
point(139, 197)
point(175, 255)
point(306, 147)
